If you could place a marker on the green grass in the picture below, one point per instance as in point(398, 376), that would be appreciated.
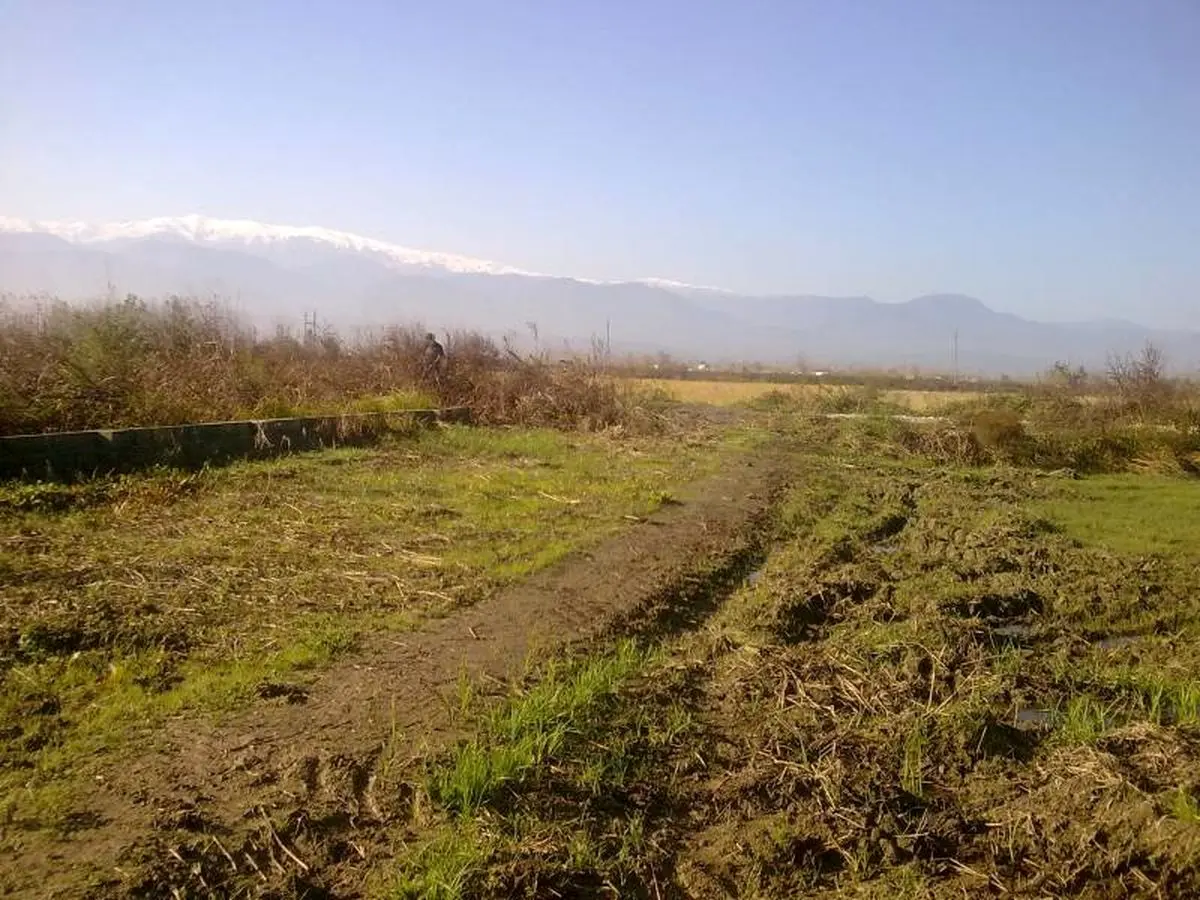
point(164, 594)
point(120, 696)
point(1152, 691)
point(530, 729)
point(1185, 807)
point(1134, 514)
point(564, 705)
point(397, 401)
point(1084, 721)
point(442, 867)
point(861, 694)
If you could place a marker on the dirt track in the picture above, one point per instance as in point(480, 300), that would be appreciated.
point(205, 808)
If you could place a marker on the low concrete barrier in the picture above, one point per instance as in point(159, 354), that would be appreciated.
point(68, 455)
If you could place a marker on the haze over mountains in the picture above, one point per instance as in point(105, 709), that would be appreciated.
point(275, 274)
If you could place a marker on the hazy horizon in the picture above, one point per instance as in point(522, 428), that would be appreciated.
point(1040, 156)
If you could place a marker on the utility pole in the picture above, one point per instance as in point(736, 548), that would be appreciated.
point(954, 356)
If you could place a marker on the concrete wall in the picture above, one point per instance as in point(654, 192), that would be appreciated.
point(75, 454)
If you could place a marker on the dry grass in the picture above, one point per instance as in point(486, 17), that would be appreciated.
point(138, 363)
point(850, 724)
point(730, 393)
point(132, 599)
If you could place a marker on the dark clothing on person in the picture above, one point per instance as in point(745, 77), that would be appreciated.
point(433, 362)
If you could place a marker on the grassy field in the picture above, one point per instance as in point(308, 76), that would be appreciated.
point(729, 393)
point(943, 681)
point(131, 599)
point(969, 661)
point(1131, 514)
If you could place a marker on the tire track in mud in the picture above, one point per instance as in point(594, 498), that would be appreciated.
point(295, 799)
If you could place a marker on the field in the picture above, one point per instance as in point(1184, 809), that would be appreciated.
point(936, 682)
point(729, 393)
point(721, 646)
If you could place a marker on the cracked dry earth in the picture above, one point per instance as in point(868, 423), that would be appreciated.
point(293, 797)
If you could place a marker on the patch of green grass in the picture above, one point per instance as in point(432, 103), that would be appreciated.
point(443, 866)
point(1084, 721)
point(164, 594)
point(1134, 514)
point(397, 401)
point(123, 698)
point(1162, 697)
point(565, 704)
point(528, 730)
point(1185, 807)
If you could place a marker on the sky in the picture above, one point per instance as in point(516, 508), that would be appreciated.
point(1042, 155)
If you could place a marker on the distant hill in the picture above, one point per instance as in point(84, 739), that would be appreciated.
point(275, 274)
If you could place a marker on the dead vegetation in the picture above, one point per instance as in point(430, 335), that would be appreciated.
point(139, 363)
point(928, 690)
point(967, 667)
point(136, 602)
point(1047, 431)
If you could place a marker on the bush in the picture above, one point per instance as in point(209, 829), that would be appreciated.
point(1000, 430)
point(137, 363)
point(842, 399)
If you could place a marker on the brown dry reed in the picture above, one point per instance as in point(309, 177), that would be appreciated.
point(136, 362)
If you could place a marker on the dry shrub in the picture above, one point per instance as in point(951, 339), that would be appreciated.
point(776, 400)
point(138, 363)
point(844, 399)
point(536, 393)
point(1148, 425)
point(999, 429)
point(949, 445)
point(1158, 460)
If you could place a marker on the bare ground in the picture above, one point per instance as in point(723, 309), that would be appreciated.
point(292, 796)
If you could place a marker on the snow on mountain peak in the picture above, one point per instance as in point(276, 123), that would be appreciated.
point(668, 285)
point(233, 232)
point(203, 230)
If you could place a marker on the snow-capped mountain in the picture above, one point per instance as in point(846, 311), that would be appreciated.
point(275, 274)
point(255, 235)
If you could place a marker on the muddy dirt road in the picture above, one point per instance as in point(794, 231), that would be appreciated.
point(292, 796)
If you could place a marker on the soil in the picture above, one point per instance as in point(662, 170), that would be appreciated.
point(855, 719)
point(291, 796)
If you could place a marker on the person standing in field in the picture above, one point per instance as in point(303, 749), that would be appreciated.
point(433, 360)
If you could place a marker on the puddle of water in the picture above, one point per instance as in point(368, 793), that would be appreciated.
point(753, 578)
point(1034, 719)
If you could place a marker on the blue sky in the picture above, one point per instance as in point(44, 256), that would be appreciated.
point(1043, 155)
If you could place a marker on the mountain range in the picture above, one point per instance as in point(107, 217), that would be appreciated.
point(275, 275)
